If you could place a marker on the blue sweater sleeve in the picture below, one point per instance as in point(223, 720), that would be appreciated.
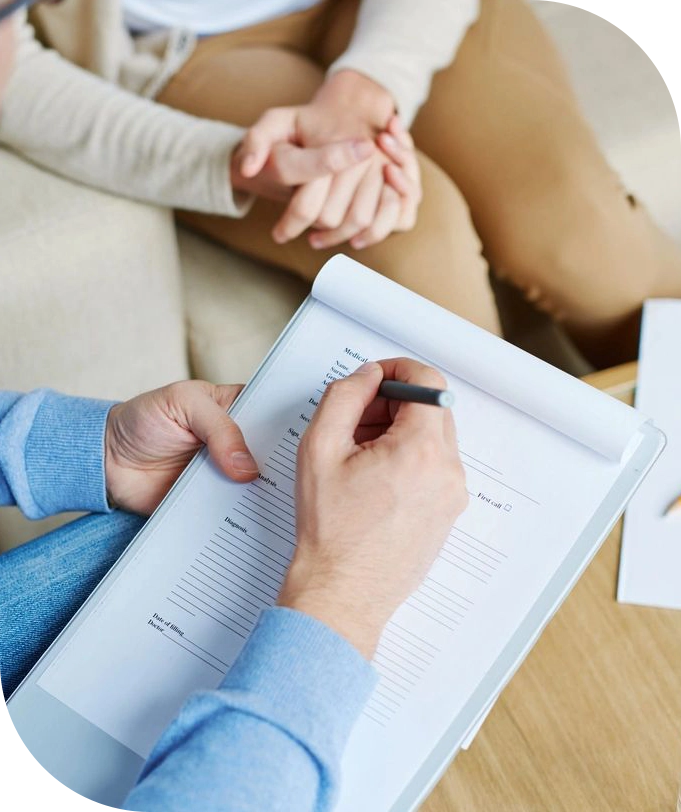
point(52, 453)
point(271, 737)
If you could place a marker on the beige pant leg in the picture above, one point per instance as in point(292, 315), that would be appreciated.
point(503, 123)
point(235, 77)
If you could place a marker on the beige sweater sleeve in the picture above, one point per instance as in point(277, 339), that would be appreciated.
point(401, 43)
point(76, 124)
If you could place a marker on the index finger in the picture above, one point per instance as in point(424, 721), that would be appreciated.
point(297, 165)
point(416, 418)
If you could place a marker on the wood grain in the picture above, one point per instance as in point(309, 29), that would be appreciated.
point(592, 720)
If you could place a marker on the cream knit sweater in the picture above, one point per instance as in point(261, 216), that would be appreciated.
point(80, 101)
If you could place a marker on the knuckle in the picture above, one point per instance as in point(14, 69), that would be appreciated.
point(360, 220)
point(432, 377)
point(312, 445)
point(334, 161)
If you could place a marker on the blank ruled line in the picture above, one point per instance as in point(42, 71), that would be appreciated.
point(460, 610)
point(264, 527)
point(434, 619)
point(482, 462)
point(290, 442)
point(266, 518)
point(273, 501)
point(384, 697)
point(383, 713)
point(396, 675)
point(177, 643)
point(268, 583)
point(237, 595)
point(237, 584)
point(209, 653)
point(243, 543)
point(429, 579)
point(262, 501)
point(214, 608)
point(262, 568)
point(281, 558)
point(223, 595)
point(421, 600)
point(287, 454)
point(409, 633)
point(184, 608)
point(476, 548)
point(478, 541)
point(203, 611)
point(388, 710)
point(283, 461)
point(439, 600)
point(392, 645)
point(460, 550)
point(268, 509)
point(282, 473)
point(482, 571)
point(366, 712)
point(416, 674)
point(502, 483)
point(275, 493)
point(250, 584)
point(399, 694)
point(462, 569)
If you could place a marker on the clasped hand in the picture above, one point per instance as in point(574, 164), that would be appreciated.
point(344, 163)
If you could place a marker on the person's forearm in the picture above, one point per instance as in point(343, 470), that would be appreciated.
point(272, 735)
point(402, 43)
point(52, 453)
point(67, 120)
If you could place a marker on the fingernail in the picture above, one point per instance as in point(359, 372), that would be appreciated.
point(367, 369)
point(243, 463)
point(316, 242)
point(357, 244)
point(389, 141)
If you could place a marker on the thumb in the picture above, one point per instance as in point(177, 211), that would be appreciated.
point(332, 429)
point(208, 422)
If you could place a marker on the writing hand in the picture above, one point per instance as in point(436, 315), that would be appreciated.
point(150, 440)
point(379, 485)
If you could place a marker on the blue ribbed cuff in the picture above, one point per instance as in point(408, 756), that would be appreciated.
point(64, 454)
point(309, 680)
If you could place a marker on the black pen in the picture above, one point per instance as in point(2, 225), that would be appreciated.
point(409, 392)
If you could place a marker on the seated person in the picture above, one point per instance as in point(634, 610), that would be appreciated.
point(247, 740)
point(509, 172)
point(242, 743)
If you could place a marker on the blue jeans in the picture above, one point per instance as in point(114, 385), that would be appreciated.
point(44, 582)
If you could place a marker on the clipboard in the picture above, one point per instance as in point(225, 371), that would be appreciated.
point(100, 767)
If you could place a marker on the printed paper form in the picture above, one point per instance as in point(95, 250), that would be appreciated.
point(651, 543)
point(181, 610)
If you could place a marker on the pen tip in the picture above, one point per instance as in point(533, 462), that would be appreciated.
point(446, 400)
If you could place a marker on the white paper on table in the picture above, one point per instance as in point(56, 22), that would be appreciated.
point(650, 564)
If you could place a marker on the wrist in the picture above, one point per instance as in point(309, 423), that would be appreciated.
point(366, 98)
point(110, 467)
point(338, 606)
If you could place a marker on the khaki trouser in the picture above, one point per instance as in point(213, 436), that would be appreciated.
point(512, 175)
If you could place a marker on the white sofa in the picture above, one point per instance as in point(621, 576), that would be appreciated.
point(100, 298)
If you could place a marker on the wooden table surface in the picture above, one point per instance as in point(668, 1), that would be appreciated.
point(591, 722)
